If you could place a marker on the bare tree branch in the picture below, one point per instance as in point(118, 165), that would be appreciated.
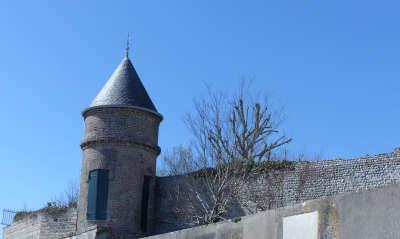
point(230, 133)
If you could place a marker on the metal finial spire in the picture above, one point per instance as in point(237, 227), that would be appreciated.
point(127, 45)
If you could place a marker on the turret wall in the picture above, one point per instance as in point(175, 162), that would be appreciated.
point(122, 140)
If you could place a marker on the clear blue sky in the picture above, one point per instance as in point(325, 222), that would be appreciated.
point(333, 65)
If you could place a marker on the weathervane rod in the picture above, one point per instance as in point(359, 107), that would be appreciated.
point(127, 45)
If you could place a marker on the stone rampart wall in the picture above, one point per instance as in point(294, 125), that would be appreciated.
point(371, 214)
point(26, 228)
point(58, 225)
point(279, 188)
point(275, 189)
point(43, 224)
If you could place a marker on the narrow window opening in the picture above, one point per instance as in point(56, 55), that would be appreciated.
point(97, 195)
point(145, 203)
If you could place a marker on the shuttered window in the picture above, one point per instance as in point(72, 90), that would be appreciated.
point(97, 195)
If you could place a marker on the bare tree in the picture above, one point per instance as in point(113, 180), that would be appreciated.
point(68, 198)
point(230, 136)
point(180, 161)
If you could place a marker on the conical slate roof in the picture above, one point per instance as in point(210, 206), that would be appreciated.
point(124, 88)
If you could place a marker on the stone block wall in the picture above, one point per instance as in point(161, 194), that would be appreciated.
point(58, 224)
point(43, 224)
point(371, 214)
point(280, 188)
point(275, 189)
point(26, 228)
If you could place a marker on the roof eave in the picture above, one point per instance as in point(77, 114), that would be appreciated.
point(123, 106)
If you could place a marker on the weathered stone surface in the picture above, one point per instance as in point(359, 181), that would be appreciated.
point(371, 214)
point(26, 228)
point(308, 180)
point(123, 140)
point(43, 225)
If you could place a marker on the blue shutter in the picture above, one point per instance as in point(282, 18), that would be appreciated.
point(97, 195)
point(92, 192)
point(102, 195)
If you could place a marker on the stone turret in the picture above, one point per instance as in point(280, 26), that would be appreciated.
point(120, 147)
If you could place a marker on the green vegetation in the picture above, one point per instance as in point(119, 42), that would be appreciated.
point(236, 219)
point(22, 214)
point(49, 209)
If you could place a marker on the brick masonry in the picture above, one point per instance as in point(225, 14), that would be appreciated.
point(370, 214)
point(43, 225)
point(123, 140)
point(308, 180)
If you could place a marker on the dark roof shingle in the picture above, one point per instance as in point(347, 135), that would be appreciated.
point(124, 87)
